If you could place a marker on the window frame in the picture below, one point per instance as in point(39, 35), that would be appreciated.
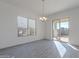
point(27, 27)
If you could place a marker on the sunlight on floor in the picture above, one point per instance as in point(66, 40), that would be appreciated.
point(73, 47)
point(61, 49)
point(64, 39)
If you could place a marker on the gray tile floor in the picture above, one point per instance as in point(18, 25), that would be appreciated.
point(41, 49)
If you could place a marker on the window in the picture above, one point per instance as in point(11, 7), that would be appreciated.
point(26, 27)
point(64, 24)
point(31, 27)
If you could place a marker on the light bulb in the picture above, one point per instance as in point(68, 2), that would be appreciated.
point(41, 18)
point(45, 18)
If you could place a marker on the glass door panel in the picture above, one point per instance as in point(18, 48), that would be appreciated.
point(61, 30)
point(55, 30)
point(64, 30)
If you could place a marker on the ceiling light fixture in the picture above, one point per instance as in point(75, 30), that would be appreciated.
point(43, 18)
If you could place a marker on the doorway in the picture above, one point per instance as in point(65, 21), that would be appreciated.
point(61, 29)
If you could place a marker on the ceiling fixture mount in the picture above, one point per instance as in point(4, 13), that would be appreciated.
point(43, 18)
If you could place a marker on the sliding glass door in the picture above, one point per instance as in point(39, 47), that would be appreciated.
point(55, 30)
point(64, 30)
point(61, 30)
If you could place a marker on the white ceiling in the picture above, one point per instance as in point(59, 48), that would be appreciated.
point(51, 6)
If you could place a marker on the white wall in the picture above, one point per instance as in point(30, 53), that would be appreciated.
point(8, 26)
point(74, 24)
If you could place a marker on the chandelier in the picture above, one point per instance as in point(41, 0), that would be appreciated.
point(43, 18)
